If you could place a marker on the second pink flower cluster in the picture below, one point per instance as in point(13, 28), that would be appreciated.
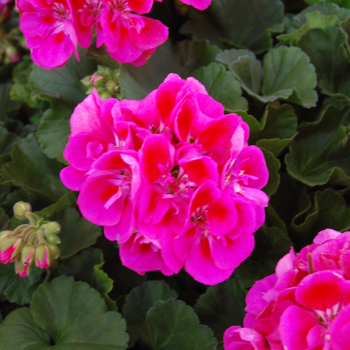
point(53, 28)
point(305, 305)
point(171, 178)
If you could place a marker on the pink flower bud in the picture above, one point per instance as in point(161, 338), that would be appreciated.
point(28, 254)
point(43, 256)
point(22, 269)
point(12, 53)
point(10, 249)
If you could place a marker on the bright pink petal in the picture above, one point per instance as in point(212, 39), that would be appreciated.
point(295, 324)
point(208, 193)
point(325, 235)
point(72, 178)
point(320, 290)
point(222, 215)
point(229, 253)
point(201, 266)
point(198, 4)
point(156, 158)
point(340, 330)
point(101, 200)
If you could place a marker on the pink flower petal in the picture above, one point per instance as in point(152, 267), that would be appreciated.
point(320, 290)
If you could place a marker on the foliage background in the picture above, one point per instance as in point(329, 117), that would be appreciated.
point(281, 65)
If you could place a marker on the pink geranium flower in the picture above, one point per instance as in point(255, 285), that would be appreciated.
point(131, 38)
point(49, 31)
point(171, 178)
point(305, 304)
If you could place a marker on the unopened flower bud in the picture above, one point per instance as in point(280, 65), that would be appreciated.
point(10, 249)
point(53, 239)
point(12, 54)
point(51, 228)
point(20, 209)
point(55, 251)
point(22, 269)
point(28, 254)
point(43, 256)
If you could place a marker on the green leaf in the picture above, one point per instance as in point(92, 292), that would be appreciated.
point(313, 20)
point(237, 23)
point(75, 316)
point(63, 83)
point(173, 325)
point(342, 3)
point(4, 219)
point(327, 51)
point(289, 75)
point(76, 232)
point(249, 72)
point(6, 103)
point(271, 244)
point(87, 267)
point(19, 331)
point(329, 210)
point(67, 200)
point(184, 58)
point(139, 301)
point(321, 151)
point(226, 57)
point(222, 306)
point(222, 86)
point(33, 172)
point(7, 140)
point(54, 129)
point(17, 289)
point(273, 165)
point(278, 128)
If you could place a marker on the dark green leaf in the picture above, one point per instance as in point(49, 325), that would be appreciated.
point(273, 165)
point(33, 172)
point(249, 71)
point(4, 219)
point(342, 3)
point(74, 314)
point(20, 332)
point(289, 75)
point(184, 58)
point(54, 129)
point(329, 210)
point(271, 244)
point(15, 288)
point(139, 301)
point(222, 86)
point(321, 151)
point(76, 232)
point(63, 83)
point(173, 325)
point(313, 20)
point(327, 51)
point(238, 23)
point(7, 141)
point(87, 267)
point(222, 306)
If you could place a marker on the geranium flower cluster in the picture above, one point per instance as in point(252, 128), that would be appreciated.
point(171, 178)
point(304, 305)
point(53, 28)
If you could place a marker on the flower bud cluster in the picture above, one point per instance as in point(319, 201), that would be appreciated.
point(106, 82)
point(35, 242)
point(304, 305)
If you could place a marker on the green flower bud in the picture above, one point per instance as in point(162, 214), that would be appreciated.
point(43, 256)
point(20, 209)
point(55, 251)
point(53, 239)
point(51, 228)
